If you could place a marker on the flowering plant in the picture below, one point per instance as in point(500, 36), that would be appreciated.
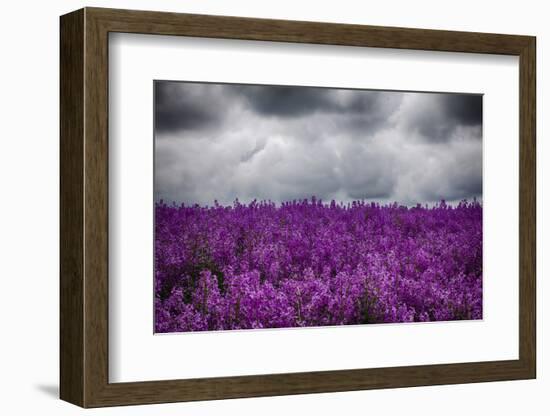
point(309, 263)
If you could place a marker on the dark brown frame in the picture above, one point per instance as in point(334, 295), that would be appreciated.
point(84, 211)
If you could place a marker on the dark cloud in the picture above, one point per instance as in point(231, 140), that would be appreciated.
point(367, 107)
point(285, 101)
point(193, 106)
point(439, 115)
point(227, 141)
point(464, 109)
point(184, 106)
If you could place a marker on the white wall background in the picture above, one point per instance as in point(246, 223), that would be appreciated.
point(29, 212)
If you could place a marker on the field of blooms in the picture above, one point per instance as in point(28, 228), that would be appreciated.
point(309, 263)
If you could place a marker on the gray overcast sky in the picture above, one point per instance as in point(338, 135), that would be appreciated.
point(227, 141)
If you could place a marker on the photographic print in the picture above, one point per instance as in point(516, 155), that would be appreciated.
point(294, 206)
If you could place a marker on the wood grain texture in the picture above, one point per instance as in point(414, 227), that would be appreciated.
point(227, 27)
point(96, 226)
point(84, 207)
point(527, 207)
point(71, 213)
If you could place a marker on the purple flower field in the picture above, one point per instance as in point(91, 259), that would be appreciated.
point(309, 263)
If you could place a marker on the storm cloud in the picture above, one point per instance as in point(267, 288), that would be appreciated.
point(181, 106)
point(227, 141)
point(437, 116)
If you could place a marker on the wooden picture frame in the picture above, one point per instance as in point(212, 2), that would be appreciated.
point(84, 207)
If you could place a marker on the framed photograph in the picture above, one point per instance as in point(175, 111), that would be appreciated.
point(255, 207)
